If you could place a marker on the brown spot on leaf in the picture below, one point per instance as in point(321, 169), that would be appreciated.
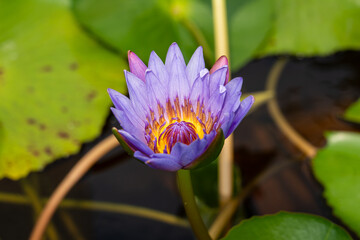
point(46, 68)
point(64, 109)
point(31, 149)
point(64, 135)
point(91, 96)
point(76, 142)
point(42, 126)
point(76, 123)
point(1, 71)
point(48, 151)
point(31, 121)
point(73, 66)
point(30, 89)
point(35, 152)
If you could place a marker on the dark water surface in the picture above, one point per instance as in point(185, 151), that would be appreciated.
point(313, 94)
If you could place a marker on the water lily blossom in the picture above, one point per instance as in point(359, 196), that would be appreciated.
point(178, 114)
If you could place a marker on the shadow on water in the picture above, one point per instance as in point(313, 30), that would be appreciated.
point(313, 94)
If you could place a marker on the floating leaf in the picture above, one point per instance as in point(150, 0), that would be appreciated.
point(337, 167)
point(299, 27)
point(353, 112)
point(314, 27)
point(248, 27)
point(287, 226)
point(53, 81)
point(125, 25)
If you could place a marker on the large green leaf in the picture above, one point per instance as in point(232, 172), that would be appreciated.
point(249, 25)
point(256, 27)
point(314, 27)
point(287, 226)
point(337, 167)
point(144, 25)
point(53, 81)
point(353, 112)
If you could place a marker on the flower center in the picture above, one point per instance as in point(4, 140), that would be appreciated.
point(177, 122)
point(182, 131)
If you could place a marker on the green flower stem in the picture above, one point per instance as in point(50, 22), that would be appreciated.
point(192, 212)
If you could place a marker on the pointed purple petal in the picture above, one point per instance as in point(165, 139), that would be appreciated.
point(128, 125)
point(216, 101)
point(174, 52)
point(178, 84)
point(121, 102)
point(233, 94)
point(196, 91)
point(218, 78)
point(140, 156)
point(222, 61)
point(155, 90)
point(225, 121)
point(137, 93)
point(240, 113)
point(137, 66)
point(186, 154)
point(135, 143)
point(158, 67)
point(159, 161)
point(200, 90)
point(195, 65)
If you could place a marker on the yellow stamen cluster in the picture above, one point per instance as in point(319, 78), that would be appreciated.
point(157, 129)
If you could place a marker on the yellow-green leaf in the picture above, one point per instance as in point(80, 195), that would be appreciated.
point(353, 112)
point(53, 81)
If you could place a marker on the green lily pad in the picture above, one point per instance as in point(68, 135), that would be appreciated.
point(256, 28)
point(249, 25)
point(308, 27)
point(143, 25)
point(53, 81)
point(353, 112)
point(337, 167)
point(287, 226)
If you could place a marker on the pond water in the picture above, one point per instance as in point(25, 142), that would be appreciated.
point(313, 94)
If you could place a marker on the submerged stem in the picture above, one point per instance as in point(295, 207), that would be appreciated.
point(230, 207)
point(37, 205)
point(192, 212)
point(137, 211)
point(71, 226)
point(69, 181)
point(279, 118)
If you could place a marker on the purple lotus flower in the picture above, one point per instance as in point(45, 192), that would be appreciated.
point(177, 114)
